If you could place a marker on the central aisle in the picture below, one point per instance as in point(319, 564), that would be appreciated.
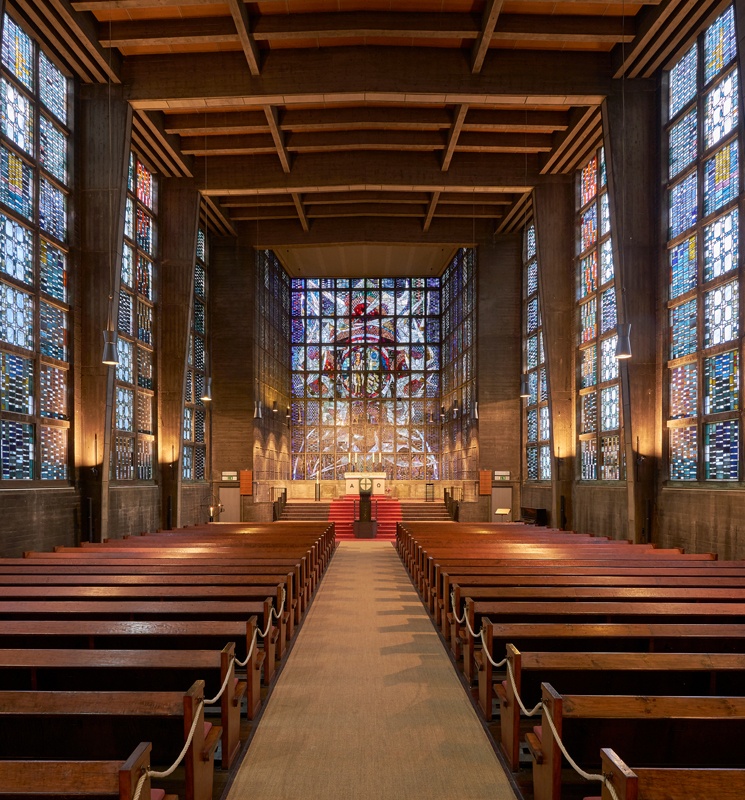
point(368, 704)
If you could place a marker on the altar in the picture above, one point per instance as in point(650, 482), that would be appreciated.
point(352, 482)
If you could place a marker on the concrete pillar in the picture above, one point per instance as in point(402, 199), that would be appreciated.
point(499, 346)
point(232, 312)
point(179, 221)
point(103, 136)
point(631, 138)
point(553, 203)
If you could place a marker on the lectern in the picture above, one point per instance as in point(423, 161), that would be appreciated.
point(365, 527)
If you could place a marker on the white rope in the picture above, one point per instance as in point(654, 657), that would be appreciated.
point(250, 650)
point(485, 650)
point(150, 773)
point(455, 613)
point(525, 711)
point(223, 687)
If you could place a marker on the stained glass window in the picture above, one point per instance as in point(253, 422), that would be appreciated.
point(708, 383)
point(599, 410)
point(53, 392)
point(194, 435)
point(18, 116)
point(53, 88)
point(134, 425)
point(16, 250)
point(18, 53)
point(16, 183)
point(683, 453)
point(16, 450)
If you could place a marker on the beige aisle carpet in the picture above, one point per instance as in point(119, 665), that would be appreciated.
point(368, 704)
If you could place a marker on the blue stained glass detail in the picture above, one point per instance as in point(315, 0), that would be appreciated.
point(683, 329)
point(17, 118)
point(721, 383)
point(53, 270)
point(608, 360)
point(129, 219)
point(52, 210)
point(720, 44)
point(127, 266)
point(16, 384)
point(533, 315)
point(532, 352)
point(722, 450)
point(145, 372)
point(683, 453)
point(200, 281)
point(53, 332)
point(16, 250)
point(588, 274)
point(683, 267)
point(588, 227)
point(604, 214)
point(125, 367)
point(610, 408)
point(588, 320)
point(144, 322)
point(683, 143)
point(18, 52)
point(544, 424)
point(532, 278)
point(188, 431)
point(721, 178)
point(202, 246)
point(545, 462)
point(52, 88)
point(199, 317)
point(606, 262)
point(532, 425)
point(16, 183)
point(532, 463)
point(16, 317)
point(16, 450)
point(683, 205)
point(683, 81)
point(721, 314)
point(530, 242)
point(721, 240)
point(683, 391)
point(610, 452)
point(199, 353)
point(53, 453)
point(53, 150)
point(607, 310)
point(187, 463)
point(124, 409)
point(131, 174)
point(721, 114)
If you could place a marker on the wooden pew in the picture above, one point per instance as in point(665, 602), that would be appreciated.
point(609, 673)
point(89, 779)
point(70, 724)
point(685, 731)
point(132, 670)
point(661, 783)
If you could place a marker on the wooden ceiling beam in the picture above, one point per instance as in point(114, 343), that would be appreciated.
point(460, 116)
point(318, 211)
point(579, 119)
point(218, 218)
point(261, 213)
point(390, 171)
point(367, 230)
point(152, 122)
point(272, 118)
point(239, 12)
point(331, 198)
point(354, 119)
point(431, 210)
point(301, 212)
point(369, 75)
point(488, 23)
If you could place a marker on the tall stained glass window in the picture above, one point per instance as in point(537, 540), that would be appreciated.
point(537, 419)
point(194, 461)
point(35, 313)
point(459, 456)
point(599, 411)
point(134, 418)
point(703, 185)
point(365, 357)
point(272, 459)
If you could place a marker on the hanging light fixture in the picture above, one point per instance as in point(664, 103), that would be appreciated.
point(110, 355)
point(207, 393)
point(623, 345)
point(524, 388)
point(257, 409)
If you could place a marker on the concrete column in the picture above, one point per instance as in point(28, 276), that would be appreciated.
point(500, 357)
point(104, 127)
point(179, 221)
point(553, 203)
point(232, 311)
point(631, 138)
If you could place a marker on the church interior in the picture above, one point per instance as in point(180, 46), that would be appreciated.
point(360, 338)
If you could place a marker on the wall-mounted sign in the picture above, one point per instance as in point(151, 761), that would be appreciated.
point(503, 475)
point(230, 476)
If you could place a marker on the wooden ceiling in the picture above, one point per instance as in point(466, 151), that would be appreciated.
point(310, 123)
